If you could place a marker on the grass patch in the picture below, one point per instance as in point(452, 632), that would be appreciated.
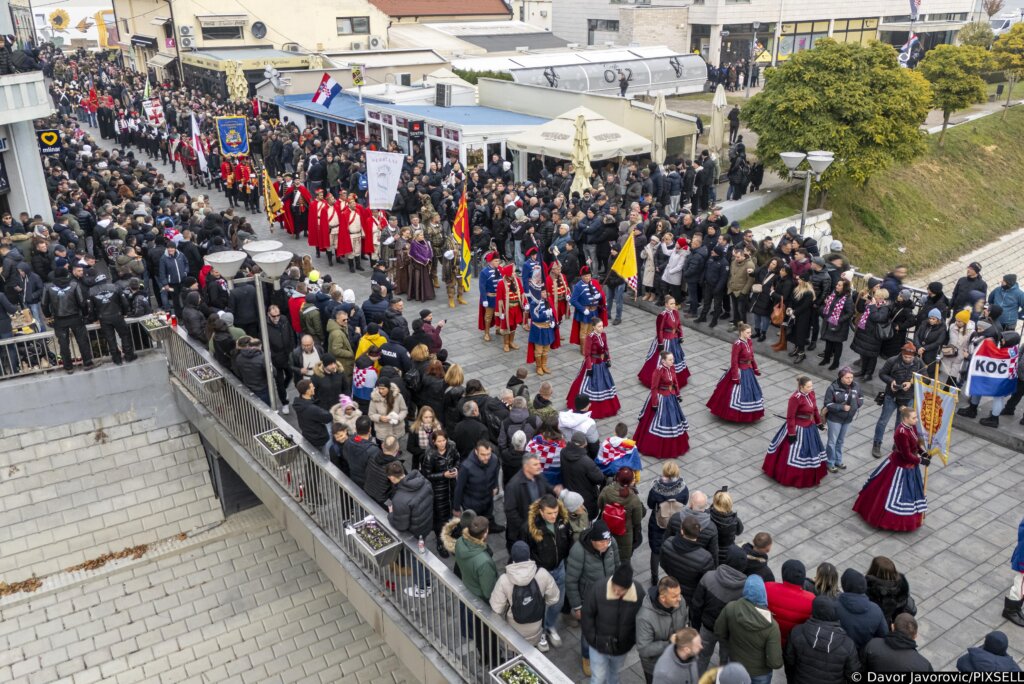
point(788, 204)
point(945, 204)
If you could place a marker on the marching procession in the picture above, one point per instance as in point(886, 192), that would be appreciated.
point(553, 267)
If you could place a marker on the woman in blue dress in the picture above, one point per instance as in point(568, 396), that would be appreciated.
point(595, 377)
point(542, 332)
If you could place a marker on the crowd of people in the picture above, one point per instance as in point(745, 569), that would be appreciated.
point(374, 388)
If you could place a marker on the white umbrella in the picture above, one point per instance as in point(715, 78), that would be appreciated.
point(717, 135)
point(581, 157)
point(659, 139)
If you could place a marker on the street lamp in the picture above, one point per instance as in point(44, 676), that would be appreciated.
point(750, 61)
point(818, 161)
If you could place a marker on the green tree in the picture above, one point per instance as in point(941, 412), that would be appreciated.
point(955, 74)
point(1008, 53)
point(853, 100)
point(978, 34)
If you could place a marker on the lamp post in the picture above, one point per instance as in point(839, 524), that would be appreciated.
point(818, 161)
point(750, 61)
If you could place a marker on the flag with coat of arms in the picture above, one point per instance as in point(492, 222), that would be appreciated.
point(550, 455)
point(326, 91)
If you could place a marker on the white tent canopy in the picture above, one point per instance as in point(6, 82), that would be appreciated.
point(554, 138)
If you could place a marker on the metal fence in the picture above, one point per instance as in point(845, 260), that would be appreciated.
point(40, 353)
point(461, 628)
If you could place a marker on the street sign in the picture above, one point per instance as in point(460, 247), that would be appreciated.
point(49, 141)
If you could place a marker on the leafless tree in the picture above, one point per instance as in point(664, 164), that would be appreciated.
point(992, 7)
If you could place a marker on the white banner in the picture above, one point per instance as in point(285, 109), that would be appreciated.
point(383, 174)
point(154, 112)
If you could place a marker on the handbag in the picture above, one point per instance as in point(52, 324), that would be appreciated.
point(880, 398)
point(949, 350)
point(756, 288)
point(778, 314)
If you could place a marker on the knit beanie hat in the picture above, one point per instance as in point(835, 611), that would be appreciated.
point(623, 576)
point(736, 558)
point(732, 673)
point(572, 500)
point(853, 582)
point(520, 552)
point(935, 313)
point(963, 316)
point(823, 608)
point(794, 572)
point(996, 643)
point(753, 591)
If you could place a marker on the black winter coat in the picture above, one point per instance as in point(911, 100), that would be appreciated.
point(686, 561)
point(312, 421)
point(757, 564)
point(867, 342)
point(861, 619)
point(411, 506)
point(548, 548)
point(476, 482)
point(610, 624)
point(895, 652)
point(902, 320)
point(433, 466)
point(249, 368)
point(716, 273)
point(356, 453)
point(729, 527)
point(889, 595)
point(820, 652)
point(660, 492)
point(693, 267)
point(839, 331)
point(378, 486)
point(580, 474)
point(803, 312)
point(467, 434)
point(761, 302)
point(518, 501)
point(714, 591)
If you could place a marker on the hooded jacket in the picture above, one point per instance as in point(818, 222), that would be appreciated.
point(379, 410)
point(728, 526)
point(1010, 299)
point(895, 652)
point(412, 506)
point(819, 651)
point(356, 453)
point(789, 602)
point(549, 546)
point(248, 366)
point(661, 491)
point(609, 623)
point(718, 589)
point(520, 575)
point(585, 566)
point(479, 573)
point(686, 561)
point(861, 619)
point(433, 466)
point(518, 501)
point(634, 516)
point(753, 637)
point(475, 484)
point(669, 668)
point(889, 595)
point(569, 422)
point(654, 625)
point(340, 346)
point(991, 657)
point(580, 474)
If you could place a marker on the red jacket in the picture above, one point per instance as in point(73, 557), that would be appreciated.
point(790, 606)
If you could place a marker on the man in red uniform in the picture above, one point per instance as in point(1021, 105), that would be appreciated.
point(295, 200)
point(508, 310)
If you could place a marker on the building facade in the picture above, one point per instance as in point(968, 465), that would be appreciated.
point(723, 31)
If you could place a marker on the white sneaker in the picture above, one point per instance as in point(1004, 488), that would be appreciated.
point(542, 645)
point(285, 410)
point(554, 637)
point(416, 592)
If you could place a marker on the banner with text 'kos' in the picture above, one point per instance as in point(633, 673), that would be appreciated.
point(993, 371)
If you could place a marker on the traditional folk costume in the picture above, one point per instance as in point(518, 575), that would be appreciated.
point(451, 271)
point(589, 305)
point(532, 275)
point(358, 222)
point(295, 200)
point(421, 255)
point(558, 296)
point(488, 288)
point(737, 397)
point(893, 497)
point(542, 334)
point(662, 430)
point(595, 378)
point(508, 310)
point(668, 337)
point(796, 456)
point(328, 234)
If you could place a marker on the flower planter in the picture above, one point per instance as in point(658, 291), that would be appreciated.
point(375, 541)
point(157, 329)
point(279, 446)
point(206, 376)
point(516, 671)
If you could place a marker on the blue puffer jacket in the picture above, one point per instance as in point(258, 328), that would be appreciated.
point(1017, 561)
point(992, 657)
point(1010, 299)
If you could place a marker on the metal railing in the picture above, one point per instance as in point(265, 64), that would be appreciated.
point(461, 628)
point(39, 352)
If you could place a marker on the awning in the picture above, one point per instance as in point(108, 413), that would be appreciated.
point(922, 26)
point(159, 21)
point(144, 41)
point(554, 138)
point(160, 60)
point(217, 20)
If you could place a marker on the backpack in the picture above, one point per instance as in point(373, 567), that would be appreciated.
point(665, 511)
point(527, 603)
point(363, 184)
point(614, 516)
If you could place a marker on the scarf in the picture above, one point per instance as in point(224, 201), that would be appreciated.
point(424, 436)
point(863, 322)
point(835, 313)
point(420, 252)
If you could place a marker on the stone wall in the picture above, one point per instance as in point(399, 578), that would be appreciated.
point(646, 25)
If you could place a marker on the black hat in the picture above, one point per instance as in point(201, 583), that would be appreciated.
point(623, 576)
point(599, 531)
point(424, 313)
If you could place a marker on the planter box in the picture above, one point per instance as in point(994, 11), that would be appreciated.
point(155, 324)
point(278, 445)
point(206, 375)
point(516, 671)
point(383, 552)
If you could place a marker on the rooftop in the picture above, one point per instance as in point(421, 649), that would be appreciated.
point(467, 116)
point(440, 8)
point(559, 58)
point(250, 52)
point(500, 42)
point(344, 107)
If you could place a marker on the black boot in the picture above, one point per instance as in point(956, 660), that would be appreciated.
point(317, 252)
point(330, 258)
point(969, 411)
point(359, 264)
point(991, 421)
point(1012, 611)
point(441, 551)
point(351, 266)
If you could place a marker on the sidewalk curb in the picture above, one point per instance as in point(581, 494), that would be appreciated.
point(966, 425)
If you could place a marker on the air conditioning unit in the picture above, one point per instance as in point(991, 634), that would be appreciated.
point(187, 42)
point(375, 43)
point(405, 79)
point(186, 31)
point(572, 46)
point(357, 46)
point(443, 95)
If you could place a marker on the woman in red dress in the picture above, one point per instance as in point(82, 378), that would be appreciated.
point(668, 337)
point(796, 456)
point(738, 398)
point(893, 497)
point(662, 430)
point(595, 379)
point(508, 306)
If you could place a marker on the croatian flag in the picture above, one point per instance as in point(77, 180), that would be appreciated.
point(915, 8)
point(328, 90)
point(993, 370)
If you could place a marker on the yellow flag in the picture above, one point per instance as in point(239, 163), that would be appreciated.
point(625, 263)
point(270, 198)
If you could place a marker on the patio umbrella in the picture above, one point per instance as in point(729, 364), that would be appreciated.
point(659, 139)
point(717, 134)
point(581, 157)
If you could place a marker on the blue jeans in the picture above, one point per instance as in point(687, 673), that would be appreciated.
point(889, 407)
point(420, 576)
point(762, 679)
point(37, 314)
point(616, 303)
point(605, 668)
point(551, 613)
point(997, 403)
point(834, 447)
point(761, 323)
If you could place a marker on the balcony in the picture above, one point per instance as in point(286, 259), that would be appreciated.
point(23, 97)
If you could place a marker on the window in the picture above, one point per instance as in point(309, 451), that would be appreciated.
point(610, 25)
point(221, 32)
point(353, 25)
